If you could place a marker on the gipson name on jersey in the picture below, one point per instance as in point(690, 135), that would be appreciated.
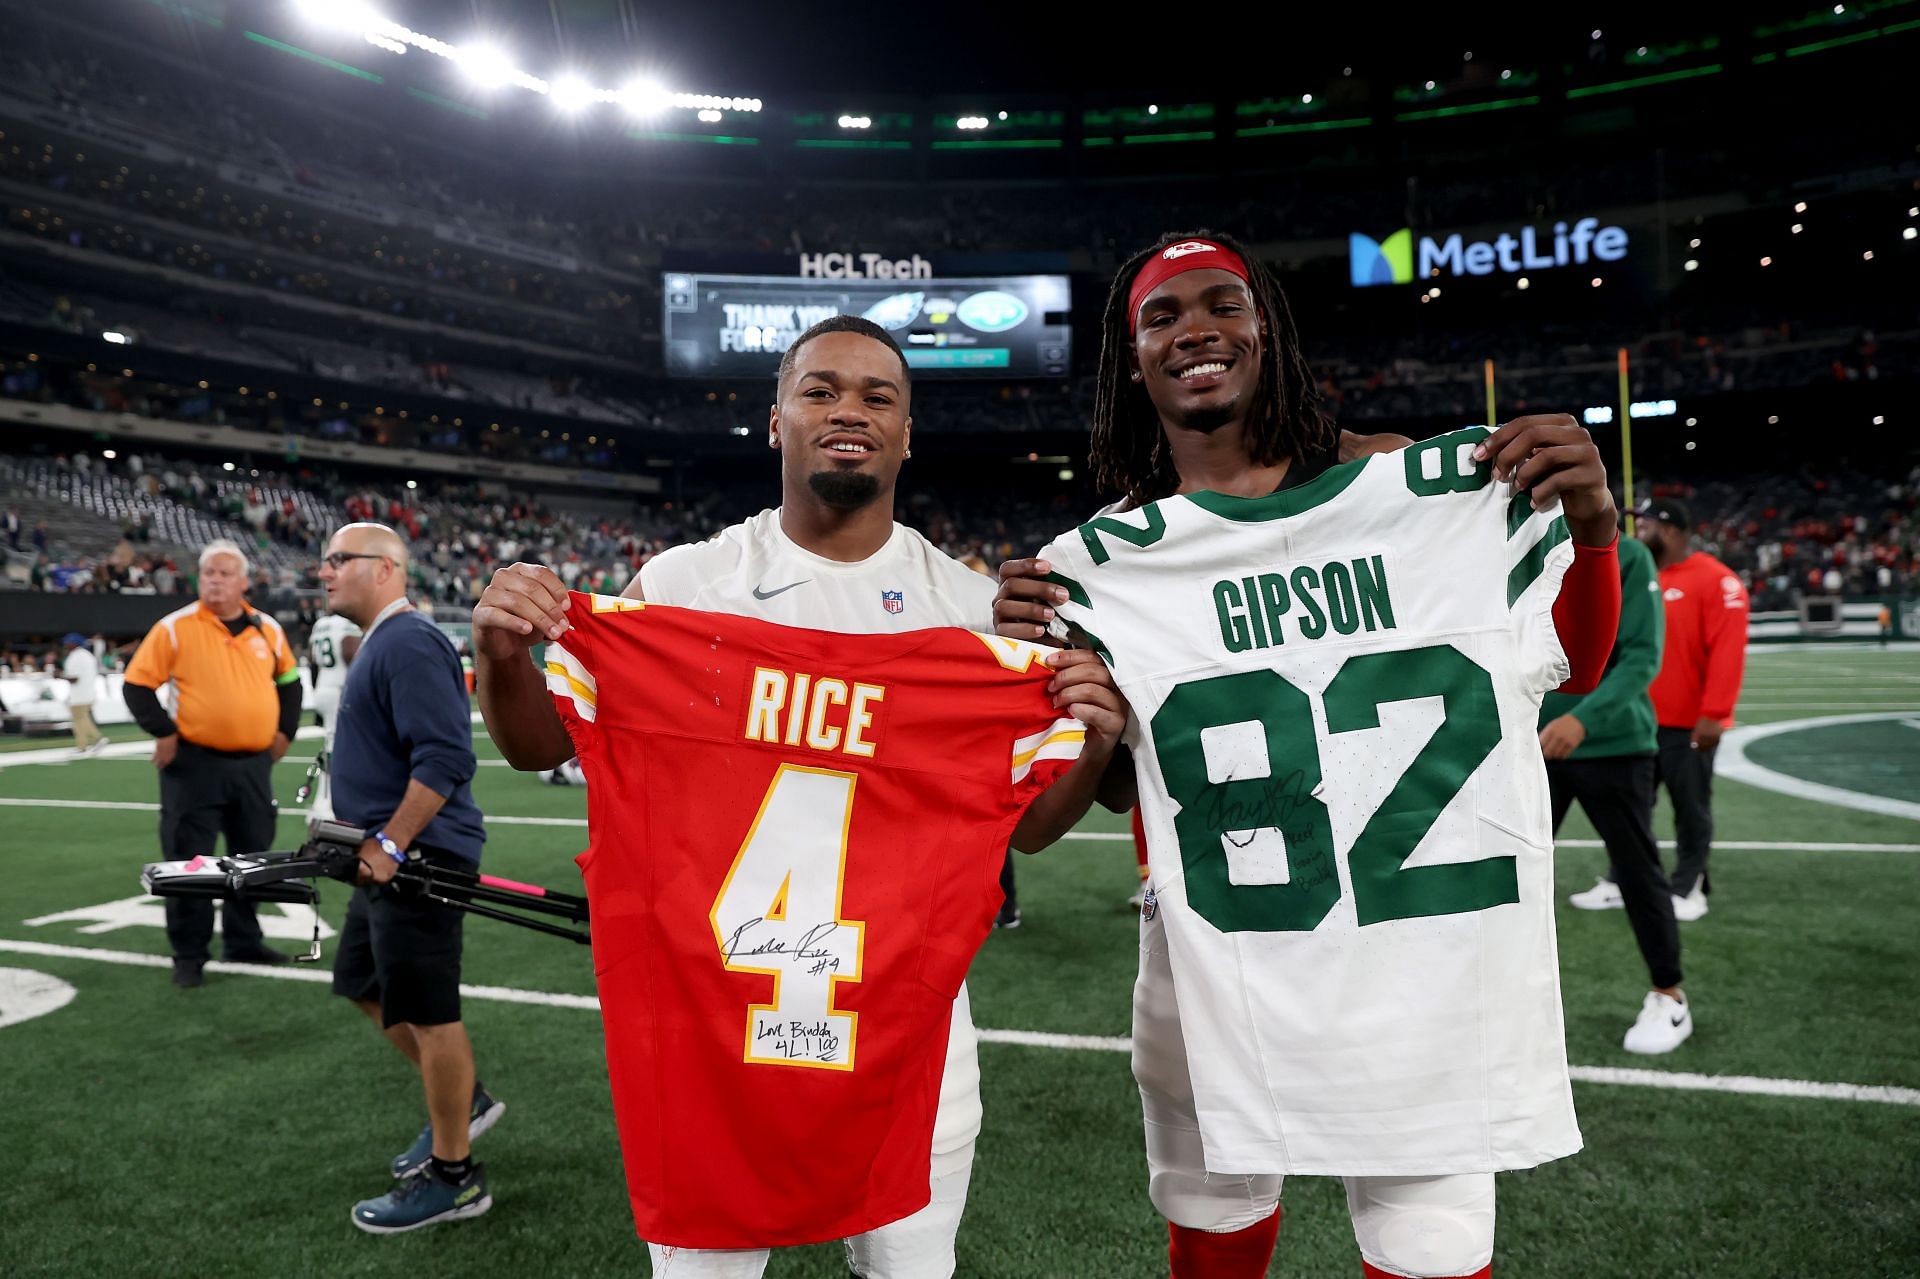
point(793, 708)
point(1340, 597)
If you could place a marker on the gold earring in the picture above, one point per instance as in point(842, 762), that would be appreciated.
point(909, 453)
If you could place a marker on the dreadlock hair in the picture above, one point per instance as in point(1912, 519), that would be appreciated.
point(1128, 449)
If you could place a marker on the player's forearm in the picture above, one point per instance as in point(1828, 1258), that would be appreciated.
point(519, 714)
point(1055, 810)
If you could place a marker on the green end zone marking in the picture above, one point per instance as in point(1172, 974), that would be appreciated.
point(1871, 743)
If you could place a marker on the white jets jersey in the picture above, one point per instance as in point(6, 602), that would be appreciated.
point(1335, 690)
point(754, 569)
point(324, 647)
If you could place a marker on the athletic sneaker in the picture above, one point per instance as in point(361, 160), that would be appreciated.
point(485, 1113)
point(1662, 1026)
point(1139, 900)
point(1604, 895)
point(1009, 916)
point(424, 1201)
point(1690, 907)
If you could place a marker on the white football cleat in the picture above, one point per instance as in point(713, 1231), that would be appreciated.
point(1692, 906)
point(1662, 1026)
point(1604, 895)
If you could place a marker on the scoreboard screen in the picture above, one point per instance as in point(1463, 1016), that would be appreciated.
point(738, 326)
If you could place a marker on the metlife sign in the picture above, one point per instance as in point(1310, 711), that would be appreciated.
point(1398, 260)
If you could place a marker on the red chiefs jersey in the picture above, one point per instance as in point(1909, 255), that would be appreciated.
point(795, 840)
point(1706, 644)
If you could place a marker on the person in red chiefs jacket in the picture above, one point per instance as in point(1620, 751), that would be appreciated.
point(1698, 684)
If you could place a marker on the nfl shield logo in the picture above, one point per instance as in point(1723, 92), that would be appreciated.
point(894, 601)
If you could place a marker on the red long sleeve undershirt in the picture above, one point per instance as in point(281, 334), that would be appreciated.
point(1587, 614)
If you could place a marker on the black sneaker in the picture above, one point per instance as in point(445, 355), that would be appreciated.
point(189, 974)
point(1009, 916)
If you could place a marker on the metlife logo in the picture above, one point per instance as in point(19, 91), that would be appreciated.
point(1394, 260)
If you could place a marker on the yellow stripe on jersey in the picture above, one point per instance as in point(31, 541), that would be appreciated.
point(580, 691)
point(1027, 757)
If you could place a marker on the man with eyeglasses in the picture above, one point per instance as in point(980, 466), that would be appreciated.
point(402, 771)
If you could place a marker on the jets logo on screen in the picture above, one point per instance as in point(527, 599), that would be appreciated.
point(1388, 261)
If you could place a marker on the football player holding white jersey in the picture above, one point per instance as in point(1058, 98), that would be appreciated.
point(331, 645)
point(1335, 657)
point(830, 557)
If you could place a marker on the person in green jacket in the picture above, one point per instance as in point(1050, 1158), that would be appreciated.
point(1600, 749)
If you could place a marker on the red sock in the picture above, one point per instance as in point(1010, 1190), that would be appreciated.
point(1140, 845)
point(1371, 1271)
point(1236, 1254)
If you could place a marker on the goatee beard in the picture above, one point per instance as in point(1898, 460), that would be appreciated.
point(844, 490)
point(1209, 419)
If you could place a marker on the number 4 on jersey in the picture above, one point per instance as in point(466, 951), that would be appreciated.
point(778, 914)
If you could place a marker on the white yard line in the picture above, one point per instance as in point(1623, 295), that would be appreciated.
point(1674, 1080)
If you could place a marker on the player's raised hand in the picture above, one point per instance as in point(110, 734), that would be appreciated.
point(1025, 603)
point(1083, 687)
point(1548, 456)
point(523, 605)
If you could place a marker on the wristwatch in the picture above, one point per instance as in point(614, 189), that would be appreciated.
point(391, 849)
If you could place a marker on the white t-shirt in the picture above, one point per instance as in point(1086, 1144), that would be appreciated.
point(83, 668)
point(1335, 693)
point(755, 570)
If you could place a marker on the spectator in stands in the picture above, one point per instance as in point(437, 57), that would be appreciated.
point(11, 527)
point(1698, 685)
point(82, 670)
point(238, 706)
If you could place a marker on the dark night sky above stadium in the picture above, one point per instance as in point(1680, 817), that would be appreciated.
point(942, 46)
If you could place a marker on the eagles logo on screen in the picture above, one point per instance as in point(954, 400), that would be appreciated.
point(896, 310)
point(992, 312)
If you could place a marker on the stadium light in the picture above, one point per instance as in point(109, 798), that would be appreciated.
point(1801, 207)
point(1693, 264)
point(971, 122)
point(1879, 421)
point(1507, 74)
point(571, 94)
point(1693, 244)
point(1910, 233)
point(109, 454)
point(1596, 281)
point(856, 122)
point(1523, 283)
point(1690, 446)
point(116, 337)
point(708, 117)
point(1766, 261)
point(1306, 99)
point(484, 64)
point(1003, 115)
point(1796, 228)
point(644, 98)
point(1867, 256)
point(1153, 108)
point(379, 41)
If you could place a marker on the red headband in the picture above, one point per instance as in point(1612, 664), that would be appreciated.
point(1187, 255)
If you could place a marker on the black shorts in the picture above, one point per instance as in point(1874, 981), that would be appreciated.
point(403, 949)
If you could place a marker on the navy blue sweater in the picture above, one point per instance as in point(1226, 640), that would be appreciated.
point(404, 717)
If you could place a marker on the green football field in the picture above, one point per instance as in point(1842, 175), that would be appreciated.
point(148, 1131)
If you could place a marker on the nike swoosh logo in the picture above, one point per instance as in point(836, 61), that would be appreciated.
point(778, 590)
point(1678, 1020)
